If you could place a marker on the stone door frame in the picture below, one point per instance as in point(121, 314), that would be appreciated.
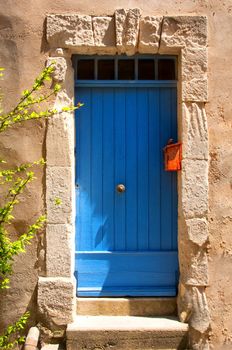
point(128, 32)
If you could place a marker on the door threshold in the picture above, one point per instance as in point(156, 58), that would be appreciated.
point(141, 306)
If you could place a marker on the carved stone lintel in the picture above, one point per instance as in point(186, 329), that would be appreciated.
point(68, 31)
point(127, 30)
point(149, 37)
point(184, 31)
point(104, 34)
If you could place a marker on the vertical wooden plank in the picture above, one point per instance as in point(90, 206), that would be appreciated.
point(97, 168)
point(108, 169)
point(119, 214)
point(131, 170)
point(142, 164)
point(84, 170)
point(174, 212)
point(78, 234)
point(155, 164)
point(173, 104)
point(166, 177)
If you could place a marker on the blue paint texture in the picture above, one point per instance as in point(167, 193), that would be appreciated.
point(126, 243)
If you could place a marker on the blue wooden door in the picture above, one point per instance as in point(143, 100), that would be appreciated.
point(126, 242)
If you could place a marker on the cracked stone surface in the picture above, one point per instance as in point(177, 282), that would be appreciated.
point(56, 299)
point(149, 36)
point(127, 30)
point(197, 230)
point(194, 188)
point(195, 131)
point(72, 30)
point(104, 34)
point(184, 31)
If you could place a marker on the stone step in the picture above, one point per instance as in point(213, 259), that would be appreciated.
point(126, 306)
point(126, 333)
point(53, 347)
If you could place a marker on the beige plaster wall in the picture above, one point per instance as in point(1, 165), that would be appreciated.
point(23, 53)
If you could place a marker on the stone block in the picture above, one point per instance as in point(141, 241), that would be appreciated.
point(60, 250)
point(51, 347)
point(193, 308)
point(194, 131)
point(56, 299)
point(183, 31)
point(194, 265)
point(32, 338)
point(194, 63)
point(104, 34)
point(127, 30)
point(184, 302)
point(84, 31)
point(126, 332)
point(195, 272)
point(69, 30)
point(60, 68)
point(194, 188)
point(200, 319)
point(149, 35)
point(197, 230)
point(60, 140)
point(59, 52)
point(120, 26)
point(64, 74)
point(195, 90)
point(60, 184)
point(61, 30)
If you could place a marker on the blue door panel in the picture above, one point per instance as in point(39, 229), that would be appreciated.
point(119, 167)
point(125, 240)
point(108, 173)
point(165, 178)
point(109, 273)
point(131, 175)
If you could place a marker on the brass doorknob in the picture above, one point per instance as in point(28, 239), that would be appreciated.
point(121, 188)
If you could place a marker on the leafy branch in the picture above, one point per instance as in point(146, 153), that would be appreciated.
point(14, 181)
point(13, 334)
point(32, 98)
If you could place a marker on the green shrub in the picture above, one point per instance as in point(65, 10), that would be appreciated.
point(13, 182)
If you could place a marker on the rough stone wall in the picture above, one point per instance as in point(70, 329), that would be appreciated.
point(23, 53)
